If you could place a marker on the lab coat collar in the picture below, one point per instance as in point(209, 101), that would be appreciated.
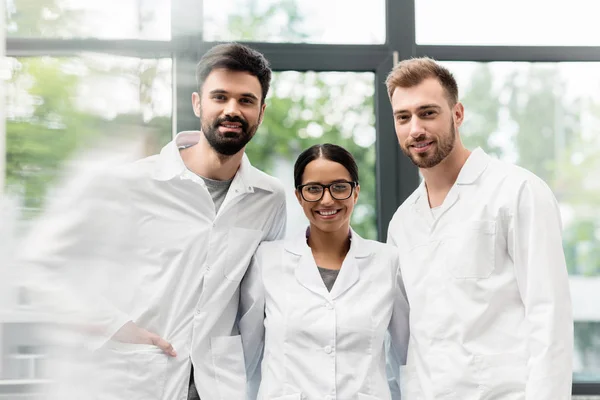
point(308, 275)
point(170, 165)
point(474, 166)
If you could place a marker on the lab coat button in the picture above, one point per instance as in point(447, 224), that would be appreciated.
point(329, 306)
point(328, 349)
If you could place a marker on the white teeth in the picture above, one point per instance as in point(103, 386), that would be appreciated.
point(326, 213)
point(421, 145)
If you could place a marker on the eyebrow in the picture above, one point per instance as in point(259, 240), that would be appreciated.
point(420, 108)
point(221, 91)
point(334, 181)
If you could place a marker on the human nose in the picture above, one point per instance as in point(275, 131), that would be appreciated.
point(416, 128)
point(232, 108)
point(327, 197)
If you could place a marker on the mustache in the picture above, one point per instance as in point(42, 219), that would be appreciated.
point(228, 118)
point(419, 139)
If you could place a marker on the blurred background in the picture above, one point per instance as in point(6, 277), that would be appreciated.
point(76, 73)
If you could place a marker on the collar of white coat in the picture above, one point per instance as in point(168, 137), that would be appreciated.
point(170, 164)
point(307, 274)
point(359, 247)
point(474, 166)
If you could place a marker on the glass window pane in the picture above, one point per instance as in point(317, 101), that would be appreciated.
point(57, 108)
point(546, 117)
point(309, 108)
point(509, 22)
point(106, 19)
point(303, 21)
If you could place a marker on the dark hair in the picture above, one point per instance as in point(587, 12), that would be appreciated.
point(235, 57)
point(329, 152)
point(409, 73)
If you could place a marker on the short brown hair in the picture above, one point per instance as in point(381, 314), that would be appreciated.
point(235, 57)
point(409, 73)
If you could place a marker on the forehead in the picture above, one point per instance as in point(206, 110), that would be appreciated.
point(235, 82)
point(429, 91)
point(324, 171)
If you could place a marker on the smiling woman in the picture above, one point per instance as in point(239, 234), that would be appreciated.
point(326, 178)
point(325, 289)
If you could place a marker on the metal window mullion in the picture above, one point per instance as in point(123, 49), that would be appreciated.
point(510, 53)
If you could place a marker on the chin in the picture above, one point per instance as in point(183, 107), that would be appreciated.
point(328, 227)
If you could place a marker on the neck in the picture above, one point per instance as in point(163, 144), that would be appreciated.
point(441, 177)
point(329, 242)
point(203, 160)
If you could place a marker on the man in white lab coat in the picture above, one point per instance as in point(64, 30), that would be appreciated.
point(482, 260)
point(149, 256)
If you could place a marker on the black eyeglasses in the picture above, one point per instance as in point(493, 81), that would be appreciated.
point(340, 190)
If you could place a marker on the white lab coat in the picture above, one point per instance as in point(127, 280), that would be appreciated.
point(488, 288)
point(319, 344)
point(143, 243)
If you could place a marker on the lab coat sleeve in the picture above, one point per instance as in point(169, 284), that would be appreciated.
point(277, 230)
point(398, 334)
point(70, 251)
point(252, 329)
point(535, 246)
point(390, 236)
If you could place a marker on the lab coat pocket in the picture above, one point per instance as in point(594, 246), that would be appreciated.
point(241, 245)
point(409, 385)
point(228, 361)
point(502, 376)
point(471, 249)
point(132, 371)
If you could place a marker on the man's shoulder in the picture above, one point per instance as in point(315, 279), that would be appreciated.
point(128, 175)
point(398, 222)
point(407, 203)
point(513, 176)
point(268, 182)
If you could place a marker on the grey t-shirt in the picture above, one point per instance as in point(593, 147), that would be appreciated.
point(218, 190)
point(329, 276)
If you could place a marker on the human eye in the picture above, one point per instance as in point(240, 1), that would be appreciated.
point(341, 187)
point(313, 189)
point(401, 118)
point(428, 113)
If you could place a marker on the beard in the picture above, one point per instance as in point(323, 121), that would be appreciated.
point(441, 148)
point(229, 143)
